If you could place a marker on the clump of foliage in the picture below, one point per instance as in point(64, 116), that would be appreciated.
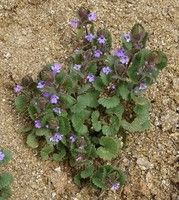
point(5, 178)
point(84, 113)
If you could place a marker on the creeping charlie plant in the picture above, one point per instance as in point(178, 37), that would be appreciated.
point(84, 113)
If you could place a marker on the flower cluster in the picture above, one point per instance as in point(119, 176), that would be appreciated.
point(78, 113)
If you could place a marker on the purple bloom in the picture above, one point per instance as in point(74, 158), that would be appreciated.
point(90, 77)
point(77, 67)
point(46, 94)
point(73, 138)
point(106, 70)
point(18, 88)
point(97, 53)
point(38, 124)
point(124, 59)
point(57, 110)
point(120, 53)
point(115, 186)
point(92, 16)
point(127, 37)
point(143, 86)
point(2, 155)
point(57, 137)
point(41, 84)
point(54, 99)
point(74, 23)
point(102, 39)
point(90, 37)
point(56, 68)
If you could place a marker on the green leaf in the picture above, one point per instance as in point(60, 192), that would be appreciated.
point(48, 116)
point(88, 172)
point(7, 158)
point(99, 183)
point(60, 78)
point(92, 68)
point(42, 132)
point(113, 127)
point(68, 100)
point(88, 99)
point(80, 32)
point(118, 111)
point(26, 130)
point(110, 148)
point(32, 112)
point(32, 141)
point(123, 90)
point(5, 193)
point(5, 180)
point(109, 102)
point(95, 121)
point(21, 103)
point(137, 63)
point(65, 126)
point(45, 151)
point(59, 156)
point(98, 84)
point(105, 79)
point(77, 121)
point(77, 179)
point(139, 100)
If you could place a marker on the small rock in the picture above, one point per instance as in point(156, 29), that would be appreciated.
point(144, 164)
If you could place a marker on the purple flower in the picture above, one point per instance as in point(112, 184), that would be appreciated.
point(2, 155)
point(120, 53)
point(124, 59)
point(41, 84)
point(73, 138)
point(56, 68)
point(57, 137)
point(97, 53)
point(38, 124)
point(92, 16)
point(106, 70)
point(127, 37)
point(143, 86)
point(18, 88)
point(115, 186)
point(46, 94)
point(57, 110)
point(77, 67)
point(54, 99)
point(74, 23)
point(90, 77)
point(102, 39)
point(90, 37)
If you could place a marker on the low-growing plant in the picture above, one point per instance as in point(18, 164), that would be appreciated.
point(84, 113)
point(5, 178)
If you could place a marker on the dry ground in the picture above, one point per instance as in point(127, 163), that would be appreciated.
point(36, 32)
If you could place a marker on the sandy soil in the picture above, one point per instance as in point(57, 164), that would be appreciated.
point(36, 32)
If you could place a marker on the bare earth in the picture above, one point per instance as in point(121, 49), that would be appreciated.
point(36, 32)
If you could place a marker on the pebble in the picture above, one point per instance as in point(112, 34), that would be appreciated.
point(144, 164)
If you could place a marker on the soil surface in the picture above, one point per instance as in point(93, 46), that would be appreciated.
point(36, 32)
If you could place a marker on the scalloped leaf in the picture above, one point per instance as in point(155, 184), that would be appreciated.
point(21, 103)
point(42, 132)
point(95, 121)
point(32, 141)
point(109, 102)
point(88, 172)
point(109, 149)
point(46, 150)
point(65, 126)
point(123, 90)
point(5, 180)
